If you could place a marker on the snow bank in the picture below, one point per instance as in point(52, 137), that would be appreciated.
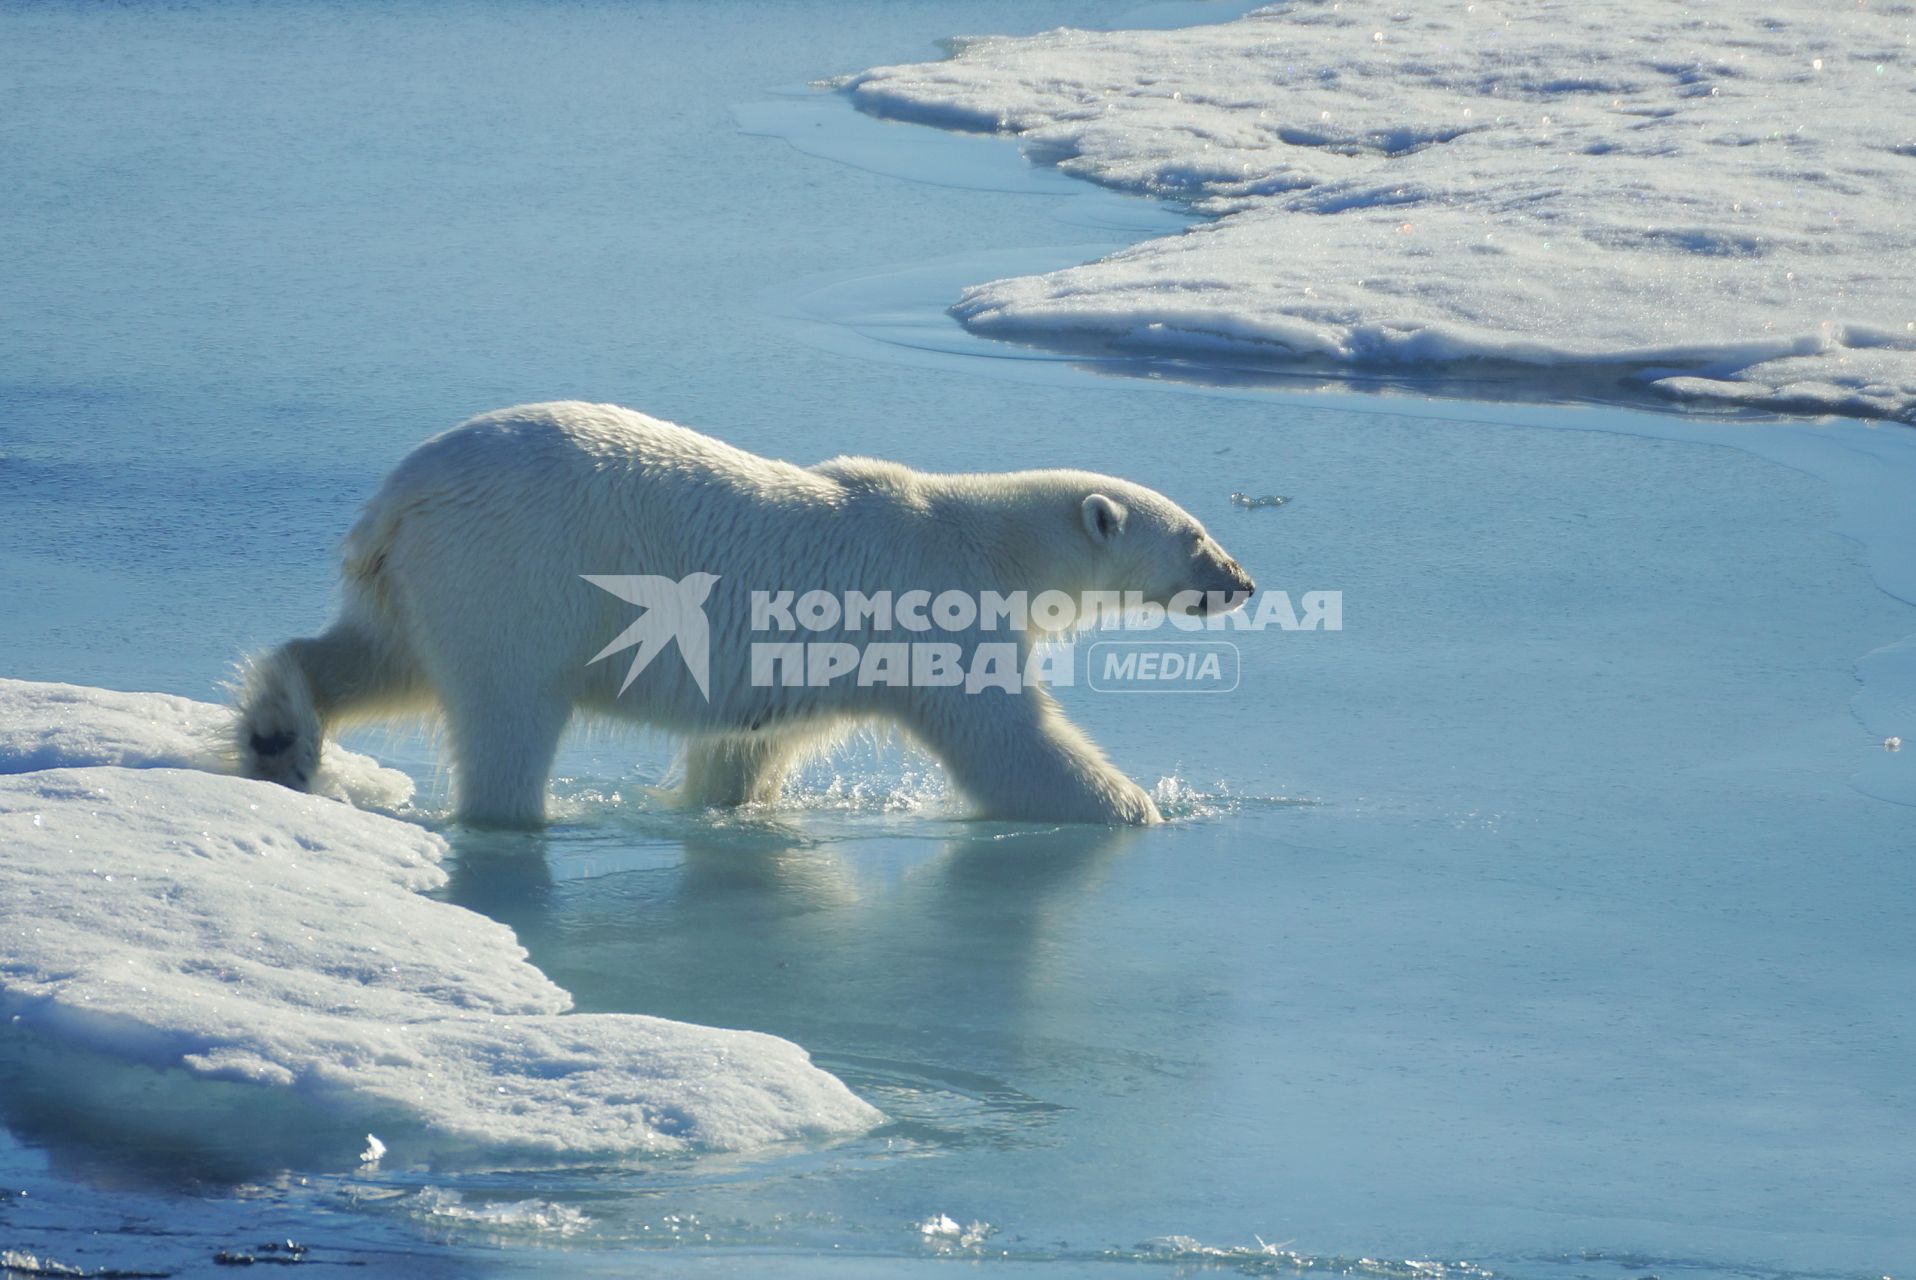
point(228, 930)
point(1710, 199)
point(46, 726)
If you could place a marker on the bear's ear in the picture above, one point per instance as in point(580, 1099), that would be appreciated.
point(1103, 518)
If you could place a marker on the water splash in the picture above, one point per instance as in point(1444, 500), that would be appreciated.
point(1264, 1258)
point(1180, 800)
point(942, 1233)
point(437, 1206)
point(916, 788)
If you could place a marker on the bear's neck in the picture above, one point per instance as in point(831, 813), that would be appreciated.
point(1024, 529)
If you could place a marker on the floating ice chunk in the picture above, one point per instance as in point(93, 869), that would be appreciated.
point(219, 929)
point(944, 1232)
point(14, 1262)
point(283, 1252)
point(1246, 500)
point(1892, 744)
point(51, 726)
point(1508, 197)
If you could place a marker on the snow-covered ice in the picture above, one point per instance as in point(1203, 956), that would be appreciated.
point(47, 725)
point(1709, 201)
point(225, 929)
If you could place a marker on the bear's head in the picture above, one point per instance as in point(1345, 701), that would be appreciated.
point(1141, 541)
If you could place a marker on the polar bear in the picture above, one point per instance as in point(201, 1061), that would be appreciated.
point(492, 577)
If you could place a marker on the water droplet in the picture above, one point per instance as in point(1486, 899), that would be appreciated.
point(1816, 63)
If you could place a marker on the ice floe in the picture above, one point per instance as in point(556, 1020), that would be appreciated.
point(1709, 201)
point(45, 726)
point(169, 920)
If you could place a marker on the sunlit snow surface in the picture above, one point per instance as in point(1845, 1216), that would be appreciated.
point(1708, 201)
point(49, 726)
point(229, 930)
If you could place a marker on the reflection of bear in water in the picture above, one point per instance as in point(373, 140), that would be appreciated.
point(464, 595)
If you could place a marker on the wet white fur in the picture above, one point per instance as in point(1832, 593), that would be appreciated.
point(464, 595)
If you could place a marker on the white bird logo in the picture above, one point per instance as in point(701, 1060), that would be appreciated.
point(673, 611)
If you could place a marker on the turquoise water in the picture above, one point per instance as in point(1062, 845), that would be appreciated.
point(1548, 918)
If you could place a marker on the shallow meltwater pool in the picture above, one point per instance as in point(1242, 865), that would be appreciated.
point(1548, 919)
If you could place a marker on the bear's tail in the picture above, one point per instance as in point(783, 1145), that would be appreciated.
point(278, 733)
point(363, 553)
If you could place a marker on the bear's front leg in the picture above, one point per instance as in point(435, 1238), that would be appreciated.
point(1016, 757)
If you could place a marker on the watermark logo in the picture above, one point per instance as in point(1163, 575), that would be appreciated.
point(957, 639)
point(674, 611)
point(1167, 666)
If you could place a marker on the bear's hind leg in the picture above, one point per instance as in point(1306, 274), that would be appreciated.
point(290, 699)
point(725, 770)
